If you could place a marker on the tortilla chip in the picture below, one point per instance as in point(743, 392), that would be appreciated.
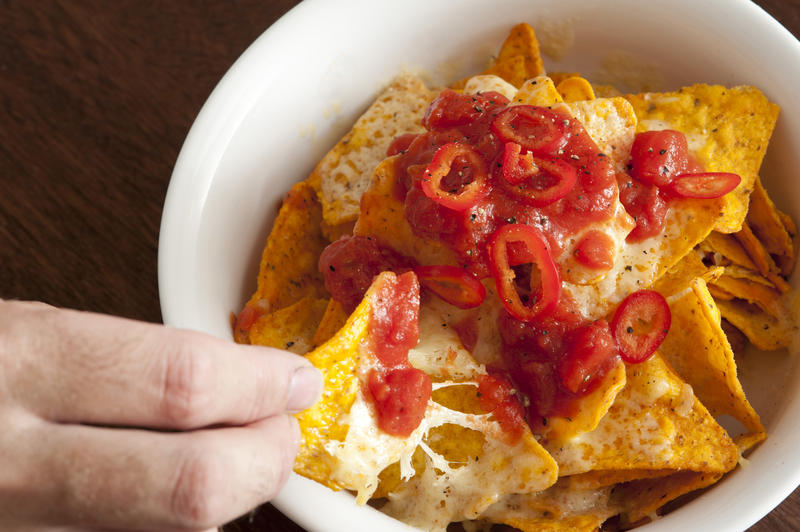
point(513, 70)
point(603, 478)
point(764, 331)
point(728, 130)
point(763, 262)
point(487, 82)
point(728, 248)
point(537, 91)
point(757, 293)
point(655, 423)
point(642, 498)
point(337, 359)
point(575, 89)
point(333, 320)
point(345, 171)
point(562, 507)
point(344, 448)
point(678, 278)
point(290, 328)
point(745, 442)
point(522, 41)
point(593, 407)
point(765, 221)
point(698, 350)
point(288, 270)
point(558, 77)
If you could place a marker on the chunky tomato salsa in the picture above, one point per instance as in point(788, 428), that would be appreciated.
point(509, 189)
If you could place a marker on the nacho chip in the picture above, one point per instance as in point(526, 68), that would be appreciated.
point(562, 507)
point(485, 83)
point(678, 278)
point(728, 130)
point(575, 89)
point(698, 350)
point(345, 171)
point(290, 328)
point(762, 260)
point(514, 70)
point(343, 446)
point(333, 320)
point(765, 221)
point(537, 91)
point(522, 41)
point(725, 249)
point(655, 423)
point(288, 270)
point(762, 295)
point(593, 407)
point(642, 498)
point(764, 331)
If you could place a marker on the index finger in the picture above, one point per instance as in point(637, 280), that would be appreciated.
point(80, 367)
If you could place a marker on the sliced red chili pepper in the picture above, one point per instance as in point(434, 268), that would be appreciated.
point(705, 185)
point(536, 181)
point(453, 284)
point(537, 129)
point(545, 288)
point(456, 177)
point(640, 324)
point(658, 156)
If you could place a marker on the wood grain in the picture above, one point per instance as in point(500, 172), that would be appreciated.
point(96, 98)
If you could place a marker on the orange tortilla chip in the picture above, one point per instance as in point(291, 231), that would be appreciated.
point(288, 270)
point(697, 348)
point(333, 320)
point(764, 263)
point(575, 89)
point(522, 41)
point(655, 423)
point(642, 498)
point(728, 130)
point(290, 328)
point(679, 277)
point(728, 248)
point(763, 296)
point(538, 91)
point(602, 478)
point(514, 70)
point(764, 331)
point(319, 425)
point(765, 221)
point(593, 407)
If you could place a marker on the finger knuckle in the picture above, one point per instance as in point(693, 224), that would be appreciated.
point(195, 503)
point(188, 385)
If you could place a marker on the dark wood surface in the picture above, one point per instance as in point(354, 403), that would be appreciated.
point(96, 98)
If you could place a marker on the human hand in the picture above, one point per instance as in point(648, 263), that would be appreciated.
point(109, 423)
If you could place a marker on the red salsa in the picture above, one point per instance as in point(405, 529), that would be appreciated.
point(399, 391)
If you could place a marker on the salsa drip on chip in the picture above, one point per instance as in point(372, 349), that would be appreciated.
point(525, 299)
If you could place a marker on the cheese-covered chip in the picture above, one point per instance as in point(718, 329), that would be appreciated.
point(291, 328)
point(728, 130)
point(656, 422)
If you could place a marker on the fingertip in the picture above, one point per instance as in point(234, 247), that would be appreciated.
point(305, 388)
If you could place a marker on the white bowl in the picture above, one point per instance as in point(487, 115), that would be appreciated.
point(297, 89)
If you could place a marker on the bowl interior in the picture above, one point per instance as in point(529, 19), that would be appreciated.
point(300, 86)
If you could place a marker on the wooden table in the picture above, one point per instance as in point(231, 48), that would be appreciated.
point(96, 98)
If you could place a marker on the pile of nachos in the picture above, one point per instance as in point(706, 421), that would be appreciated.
point(505, 338)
